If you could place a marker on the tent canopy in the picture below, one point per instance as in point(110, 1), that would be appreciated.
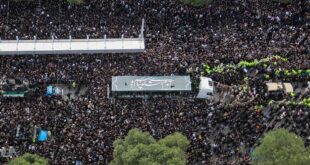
point(43, 135)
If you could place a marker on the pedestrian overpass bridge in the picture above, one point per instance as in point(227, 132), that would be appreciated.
point(73, 46)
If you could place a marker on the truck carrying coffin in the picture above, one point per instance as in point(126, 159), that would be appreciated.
point(146, 86)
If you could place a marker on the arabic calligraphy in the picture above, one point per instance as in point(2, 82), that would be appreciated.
point(151, 82)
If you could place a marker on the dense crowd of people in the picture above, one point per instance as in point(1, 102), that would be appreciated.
point(179, 39)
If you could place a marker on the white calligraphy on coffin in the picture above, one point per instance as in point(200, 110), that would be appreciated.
point(148, 82)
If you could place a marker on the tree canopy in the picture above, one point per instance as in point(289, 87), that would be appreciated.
point(281, 147)
point(196, 3)
point(29, 159)
point(140, 148)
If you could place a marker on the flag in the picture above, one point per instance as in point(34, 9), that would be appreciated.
point(49, 90)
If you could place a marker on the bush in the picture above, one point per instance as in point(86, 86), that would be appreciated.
point(29, 159)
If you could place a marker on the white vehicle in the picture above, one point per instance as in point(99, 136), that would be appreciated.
point(279, 87)
point(206, 88)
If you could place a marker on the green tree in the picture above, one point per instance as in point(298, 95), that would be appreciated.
point(140, 148)
point(196, 3)
point(280, 147)
point(29, 159)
